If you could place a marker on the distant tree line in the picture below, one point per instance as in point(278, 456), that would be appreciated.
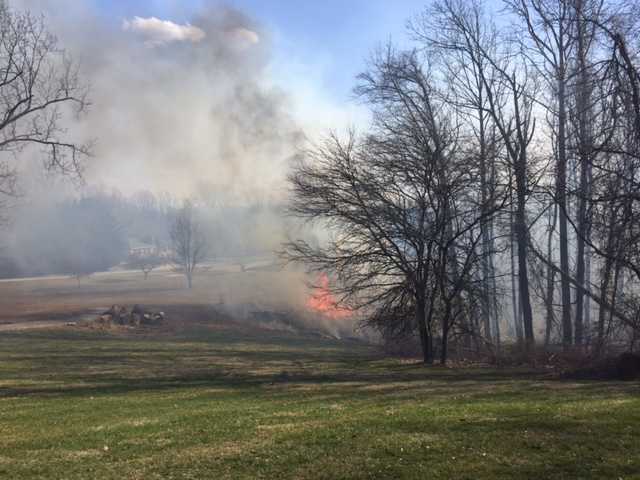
point(77, 236)
point(497, 191)
point(98, 230)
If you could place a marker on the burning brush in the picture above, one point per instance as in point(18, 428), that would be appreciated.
point(324, 303)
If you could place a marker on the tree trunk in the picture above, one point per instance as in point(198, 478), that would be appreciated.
point(522, 240)
point(446, 320)
point(561, 199)
point(580, 268)
point(602, 312)
point(584, 152)
point(550, 279)
point(484, 232)
point(523, 280)
point(517, 323)
point(493, 292)
point(588, 273)
point(587, 303)
point(426, 342)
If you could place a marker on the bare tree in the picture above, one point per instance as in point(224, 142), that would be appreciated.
point(145, 262)
point(402, 205)
point(548, 41)
point(188, 241)
point(509, 90)
point(39, 86)
point(455, 134)
point(468, 95)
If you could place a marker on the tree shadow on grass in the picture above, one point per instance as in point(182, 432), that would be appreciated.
point(272, 376)
point(78, 363)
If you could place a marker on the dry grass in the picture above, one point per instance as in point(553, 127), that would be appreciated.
point(60, 298)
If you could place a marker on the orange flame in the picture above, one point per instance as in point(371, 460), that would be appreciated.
point(323, 302)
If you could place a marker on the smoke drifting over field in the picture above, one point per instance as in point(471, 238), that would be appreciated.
point(179, 106)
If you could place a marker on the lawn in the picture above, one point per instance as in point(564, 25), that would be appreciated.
point(214, 401)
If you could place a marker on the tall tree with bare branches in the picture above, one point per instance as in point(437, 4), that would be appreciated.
point(547, 40)
point(188, 241)
point(508, 101)
point(468, 95)
point(401, 203)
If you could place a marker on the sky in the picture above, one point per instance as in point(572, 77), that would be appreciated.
point(326, 41)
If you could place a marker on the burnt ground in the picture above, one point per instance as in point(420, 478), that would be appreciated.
point(268, 298)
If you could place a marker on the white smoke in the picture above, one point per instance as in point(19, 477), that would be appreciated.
point(185, 107)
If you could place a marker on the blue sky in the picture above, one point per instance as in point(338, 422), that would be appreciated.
point(328, 40)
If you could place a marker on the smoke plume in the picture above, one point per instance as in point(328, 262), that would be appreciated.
point(178, 106)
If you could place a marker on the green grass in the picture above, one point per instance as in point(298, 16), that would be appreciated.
point(222, 404)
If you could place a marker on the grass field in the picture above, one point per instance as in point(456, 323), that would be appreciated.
point(216, 399)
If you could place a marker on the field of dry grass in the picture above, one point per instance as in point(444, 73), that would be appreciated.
point(61, 299)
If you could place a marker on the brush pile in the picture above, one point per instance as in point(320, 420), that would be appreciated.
point(136, 317)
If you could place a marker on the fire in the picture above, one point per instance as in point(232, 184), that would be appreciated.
point(323, 302)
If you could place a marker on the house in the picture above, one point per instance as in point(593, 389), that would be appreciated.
point(139, 248)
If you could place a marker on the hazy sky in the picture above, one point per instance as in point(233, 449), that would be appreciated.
point(328, 40)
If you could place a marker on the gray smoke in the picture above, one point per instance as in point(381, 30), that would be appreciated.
point(181, 107)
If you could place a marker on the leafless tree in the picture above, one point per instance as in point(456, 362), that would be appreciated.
point(547, 40)
point(39, 86)
point(145, 262)
point(401, 203)
point(455, 134)
point(509, 92)
point(188, 241)
point(468, 95)
point(606, 119)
